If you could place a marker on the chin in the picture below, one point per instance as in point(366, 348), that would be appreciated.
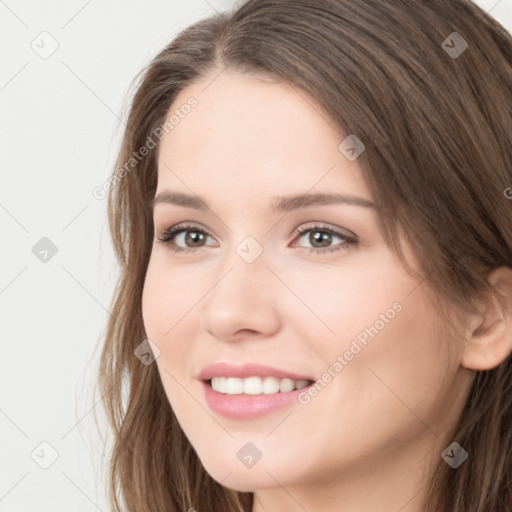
point(240, 479)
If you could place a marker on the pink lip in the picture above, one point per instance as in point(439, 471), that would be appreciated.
point(247, 370)
point(244, 407)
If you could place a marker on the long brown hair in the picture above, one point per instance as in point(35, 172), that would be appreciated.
point(436, 119)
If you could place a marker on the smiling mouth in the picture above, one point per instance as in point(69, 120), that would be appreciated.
point(255, 385)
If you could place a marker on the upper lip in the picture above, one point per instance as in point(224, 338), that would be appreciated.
point(247, 370)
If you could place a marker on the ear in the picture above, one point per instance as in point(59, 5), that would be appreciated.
point(489, 335)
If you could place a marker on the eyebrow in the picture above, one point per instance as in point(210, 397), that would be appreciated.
point(279, 204)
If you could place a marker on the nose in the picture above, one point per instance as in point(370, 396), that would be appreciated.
point(243, 300)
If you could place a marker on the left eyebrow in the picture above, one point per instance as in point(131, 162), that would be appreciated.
point(279, 204)
point(290, 203)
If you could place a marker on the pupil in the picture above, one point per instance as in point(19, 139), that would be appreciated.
point(319, 235)
point(194, 237)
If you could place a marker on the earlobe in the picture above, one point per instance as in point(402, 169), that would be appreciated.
point(489, 336)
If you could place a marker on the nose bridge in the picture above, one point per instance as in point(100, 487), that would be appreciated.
point(246, 265)
point(241, 297)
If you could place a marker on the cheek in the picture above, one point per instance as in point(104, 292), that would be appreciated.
point(162, 308)
point(152, 303)
point(164, 296)
point(386, 343)
point(159, 305)
point(167, 309)
point(403, 367)
point(348, 300)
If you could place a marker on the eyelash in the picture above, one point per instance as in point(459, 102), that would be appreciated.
point(169, 234)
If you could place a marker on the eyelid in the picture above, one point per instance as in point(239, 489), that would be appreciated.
point(320, 225)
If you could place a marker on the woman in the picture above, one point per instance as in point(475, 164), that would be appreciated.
point(310, 212)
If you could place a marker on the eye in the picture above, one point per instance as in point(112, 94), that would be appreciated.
point(192, 234)
point(320, 237)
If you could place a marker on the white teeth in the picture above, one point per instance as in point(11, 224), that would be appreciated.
point(255, 385)
point(286, 385)
point(234, 386)
point(220, 384)
point(252, 386)
point(270, 385)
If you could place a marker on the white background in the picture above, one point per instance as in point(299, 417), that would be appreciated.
point(60, 128)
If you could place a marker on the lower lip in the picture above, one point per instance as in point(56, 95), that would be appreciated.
point(246, 407)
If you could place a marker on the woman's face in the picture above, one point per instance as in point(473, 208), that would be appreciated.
point(248, 289)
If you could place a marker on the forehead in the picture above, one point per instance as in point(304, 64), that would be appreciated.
point(249, 131)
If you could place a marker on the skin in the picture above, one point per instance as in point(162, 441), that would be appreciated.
point(368, 439)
